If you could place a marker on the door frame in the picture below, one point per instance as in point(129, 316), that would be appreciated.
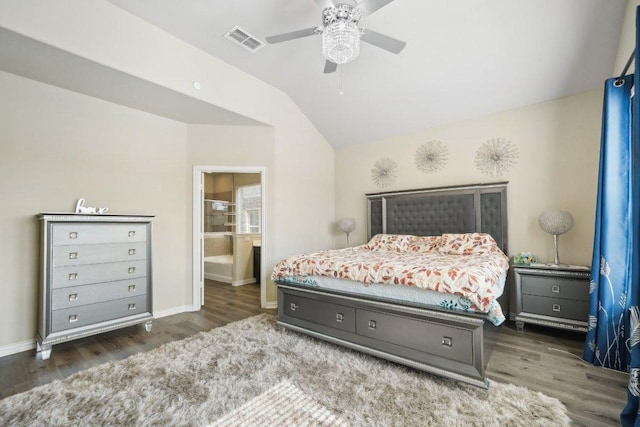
point(198, 234)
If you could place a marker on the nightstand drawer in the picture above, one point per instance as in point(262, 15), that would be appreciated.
point(555, 287)
point(556, 307)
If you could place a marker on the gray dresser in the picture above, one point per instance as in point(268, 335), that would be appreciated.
point(95, 275)
point(552, 296)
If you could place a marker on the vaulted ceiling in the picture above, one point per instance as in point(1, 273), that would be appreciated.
point(463, 59)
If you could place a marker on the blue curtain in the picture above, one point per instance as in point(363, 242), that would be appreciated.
point(612, 264)
point(613, 336)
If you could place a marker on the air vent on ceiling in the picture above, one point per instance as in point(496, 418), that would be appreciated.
point(244, 39)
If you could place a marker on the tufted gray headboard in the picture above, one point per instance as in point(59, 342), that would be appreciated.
point(434, 211)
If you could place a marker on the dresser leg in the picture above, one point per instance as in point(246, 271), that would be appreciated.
point(43, 350)
point(148, 325)
point(519, 325)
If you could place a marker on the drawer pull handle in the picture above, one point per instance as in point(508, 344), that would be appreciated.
point(132, 288)
point(73, 276)
point(132, 269)
point(555, 289)
point(132, 251)
point(73, 318)
point(132, 233)
point(132, 306)
point(556, 307)
point(372, 324)
point(294, 306)
point(73, 255)
point(339, 317)
point(447, 342)
point(73, 235)
point(73, 297)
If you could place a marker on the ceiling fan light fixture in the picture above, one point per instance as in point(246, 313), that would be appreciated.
point(341, 35)
point(341, 42)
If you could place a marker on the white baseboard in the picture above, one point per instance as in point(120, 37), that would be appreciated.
point(218, 278)
point(18, 347)
point(171, 311)
point(243, 282)
point(271, 304)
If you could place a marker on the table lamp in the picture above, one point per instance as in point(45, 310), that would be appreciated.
point(556, 223)
point(347, 225)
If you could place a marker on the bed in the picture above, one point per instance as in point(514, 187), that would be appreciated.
point(425, 334)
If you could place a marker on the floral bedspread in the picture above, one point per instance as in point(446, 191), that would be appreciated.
point(471, 276)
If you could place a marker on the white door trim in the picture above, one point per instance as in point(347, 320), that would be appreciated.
point(198, 220)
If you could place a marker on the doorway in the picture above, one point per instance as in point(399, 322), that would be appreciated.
point(229, 224)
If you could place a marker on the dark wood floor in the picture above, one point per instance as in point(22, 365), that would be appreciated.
point(541, 359)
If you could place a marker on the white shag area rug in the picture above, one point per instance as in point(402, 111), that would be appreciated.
point(201, 379)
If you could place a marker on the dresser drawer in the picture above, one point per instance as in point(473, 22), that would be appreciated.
point(77, 275)
point(94, 254)
point(74, 296)
point(76, 317)
point(320, 312)
point(556, 307)
point(555, 287)
point(443, 340)
point(86, 234)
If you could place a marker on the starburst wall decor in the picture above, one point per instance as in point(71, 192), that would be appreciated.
point(431, 156)
point(496, 156)
point(384, 172)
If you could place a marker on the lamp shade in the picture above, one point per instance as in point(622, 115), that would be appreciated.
point(555, 222)
point(347, 225)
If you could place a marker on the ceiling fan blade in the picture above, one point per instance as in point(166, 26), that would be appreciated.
point(324, 3)
point(367, 7)
point(330, 67)
point(382, 41)
point(292, 35)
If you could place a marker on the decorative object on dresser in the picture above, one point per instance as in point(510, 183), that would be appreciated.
point(556, 223)
point(552, 296)
point(82, 209)
point(347, 225)
point(95, 275)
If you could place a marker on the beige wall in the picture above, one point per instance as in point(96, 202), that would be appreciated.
point(57, 146)
point(557, 168)
point(246, 179)
point(218, 183)
point(627, 39)
point(145, 152)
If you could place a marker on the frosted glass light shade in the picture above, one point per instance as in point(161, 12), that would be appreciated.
point(555, 222)
point(347, 225)
point(341, 42)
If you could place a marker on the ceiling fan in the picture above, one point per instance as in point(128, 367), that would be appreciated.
point(340, 33)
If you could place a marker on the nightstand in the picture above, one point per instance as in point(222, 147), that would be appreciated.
point(552, 296)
